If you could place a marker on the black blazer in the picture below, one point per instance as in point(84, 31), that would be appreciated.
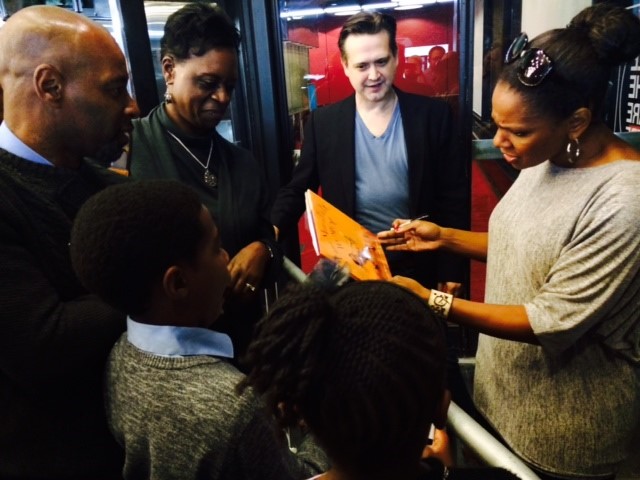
point(438, 178)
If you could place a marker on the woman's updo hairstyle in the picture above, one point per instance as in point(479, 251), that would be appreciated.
point(584, 55)
point(363, 366)
point(197, 28)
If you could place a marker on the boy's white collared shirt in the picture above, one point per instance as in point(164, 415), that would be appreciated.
point(171, 341)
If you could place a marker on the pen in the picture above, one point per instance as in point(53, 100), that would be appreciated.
point(421, 217)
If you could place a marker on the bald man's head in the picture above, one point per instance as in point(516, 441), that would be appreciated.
point(69, 73)
point(44, 34)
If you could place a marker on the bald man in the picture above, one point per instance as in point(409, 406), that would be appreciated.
point(63, 81)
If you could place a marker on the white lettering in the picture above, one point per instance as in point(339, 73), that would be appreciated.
point(633, 113)
point(634, 86)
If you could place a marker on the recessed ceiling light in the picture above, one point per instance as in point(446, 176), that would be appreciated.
point(343, 9)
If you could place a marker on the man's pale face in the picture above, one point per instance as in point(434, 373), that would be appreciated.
point(370, 66)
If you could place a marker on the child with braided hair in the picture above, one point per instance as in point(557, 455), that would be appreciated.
point(363, 368)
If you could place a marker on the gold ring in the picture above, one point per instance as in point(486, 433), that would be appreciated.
point(250, 287)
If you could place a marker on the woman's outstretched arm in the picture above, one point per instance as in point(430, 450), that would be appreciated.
point(420, 236)
point(510, 322)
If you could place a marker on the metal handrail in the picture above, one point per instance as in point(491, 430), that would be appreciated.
point(484, 445)
point(293, 270)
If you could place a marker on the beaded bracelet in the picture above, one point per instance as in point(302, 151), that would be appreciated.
point(440, 303)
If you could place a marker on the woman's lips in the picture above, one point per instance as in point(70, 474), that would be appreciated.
point(509, 158)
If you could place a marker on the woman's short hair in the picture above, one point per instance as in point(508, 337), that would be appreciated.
point(362, 366)
point(196, 29)
point(126, 236)
point(584, 55)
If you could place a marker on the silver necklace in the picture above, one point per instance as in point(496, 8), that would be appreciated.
point(209, 178)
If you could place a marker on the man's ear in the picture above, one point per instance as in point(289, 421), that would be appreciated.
point(345, 64)
point(579, 121)
point(48, 83)
point(168, 66)
point(175, 284)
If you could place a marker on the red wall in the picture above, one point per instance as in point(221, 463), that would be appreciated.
point(426, 26)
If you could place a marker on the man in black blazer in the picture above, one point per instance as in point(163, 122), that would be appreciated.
point(382, 154)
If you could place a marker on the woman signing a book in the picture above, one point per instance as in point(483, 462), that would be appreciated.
point(558, 362)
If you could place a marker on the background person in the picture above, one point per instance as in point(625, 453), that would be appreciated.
point(558, 367)
point(411, 79)
point(64, 83)
point(436, 53)
point(434, 77)
point(151, 249)
point(178, 139)
point(363, 367)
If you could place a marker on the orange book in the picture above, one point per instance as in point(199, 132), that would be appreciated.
point(339, 238)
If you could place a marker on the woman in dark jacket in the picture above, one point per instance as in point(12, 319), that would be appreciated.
point(178, 139)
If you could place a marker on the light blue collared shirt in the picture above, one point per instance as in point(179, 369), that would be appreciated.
point(13, 144)
point(170, 341)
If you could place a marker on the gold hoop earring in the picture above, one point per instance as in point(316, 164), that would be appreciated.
point(573, 154)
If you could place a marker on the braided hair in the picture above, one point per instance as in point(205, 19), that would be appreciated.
point(363, 367)
point(584, 55)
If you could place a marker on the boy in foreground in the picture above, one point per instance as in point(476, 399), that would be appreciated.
point(152, 250)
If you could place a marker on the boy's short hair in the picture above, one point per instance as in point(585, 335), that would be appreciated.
point(126, 236)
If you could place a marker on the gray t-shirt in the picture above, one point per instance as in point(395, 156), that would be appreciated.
point(565, 243)
point(382, 175)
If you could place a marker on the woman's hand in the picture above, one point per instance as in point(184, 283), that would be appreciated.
point(440, 448)
point(411, 285)
point(247, 268)
point(454, 288)
point(416, 236)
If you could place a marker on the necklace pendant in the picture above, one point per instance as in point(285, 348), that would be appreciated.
point(210, 179)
